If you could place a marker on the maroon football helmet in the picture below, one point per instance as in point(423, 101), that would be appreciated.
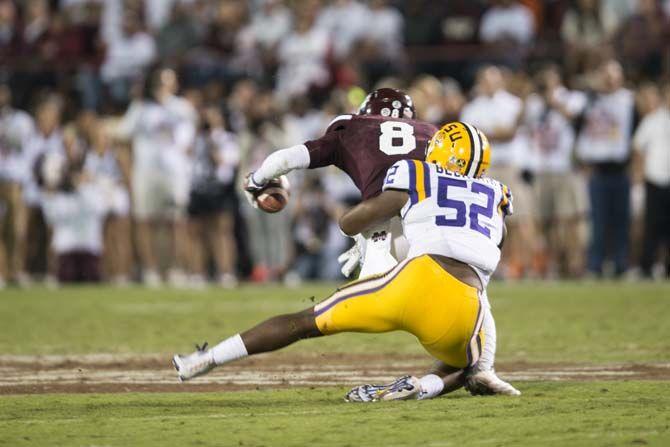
point(388, 102)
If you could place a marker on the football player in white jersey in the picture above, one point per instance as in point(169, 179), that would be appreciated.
point(454, 222)
point(360, 146)
point(453, 211)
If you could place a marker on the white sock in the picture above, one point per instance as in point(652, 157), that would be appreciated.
point(431, 386)
point(232, 348)
point(488, 354)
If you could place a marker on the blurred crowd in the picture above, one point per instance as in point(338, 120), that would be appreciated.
point(126, 126)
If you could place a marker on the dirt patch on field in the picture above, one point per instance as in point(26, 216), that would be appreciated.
point(132, 373)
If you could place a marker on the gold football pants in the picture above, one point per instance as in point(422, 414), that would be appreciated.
point(417, 296)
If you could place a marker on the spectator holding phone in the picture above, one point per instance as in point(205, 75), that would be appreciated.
point(603, 146)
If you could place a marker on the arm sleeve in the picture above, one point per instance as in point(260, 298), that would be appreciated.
point(282, 162)
point(398, 176)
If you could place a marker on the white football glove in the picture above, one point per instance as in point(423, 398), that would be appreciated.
point(250, 188)
point(351, 258)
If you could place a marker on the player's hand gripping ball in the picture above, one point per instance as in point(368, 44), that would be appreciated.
point(271, 197)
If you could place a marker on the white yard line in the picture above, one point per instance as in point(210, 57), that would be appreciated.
point(108, 369)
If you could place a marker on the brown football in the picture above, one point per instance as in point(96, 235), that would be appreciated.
point(273, 198)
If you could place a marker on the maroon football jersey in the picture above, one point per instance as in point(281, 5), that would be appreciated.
point(366, 146)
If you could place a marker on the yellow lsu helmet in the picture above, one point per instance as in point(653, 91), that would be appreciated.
point(460, 147)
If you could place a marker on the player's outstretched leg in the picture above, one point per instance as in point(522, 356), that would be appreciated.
point(272, 334)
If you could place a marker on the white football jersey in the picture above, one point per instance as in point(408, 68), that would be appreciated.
point(451, 215)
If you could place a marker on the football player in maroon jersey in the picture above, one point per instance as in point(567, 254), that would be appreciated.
point(365, 146)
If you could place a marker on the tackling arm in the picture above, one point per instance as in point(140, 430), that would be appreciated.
point(373, 211)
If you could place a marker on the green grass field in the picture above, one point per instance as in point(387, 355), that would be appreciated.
point(539, 324)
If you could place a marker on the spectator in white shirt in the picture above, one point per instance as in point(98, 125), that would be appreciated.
point(162, 128)
point(385, 28)
point(256, 43)
point(129, 53)
point(271, 23)
point(603, 145)
point(156, 12)
point(507, 20)
point(302, 58)
point(345, 22)
point(652, 169)
point(560, 199)
point(498, 114)
point(16, 128)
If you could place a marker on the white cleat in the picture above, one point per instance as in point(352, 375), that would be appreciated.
point(404, 388)
point(481, 383)
point(193, 365)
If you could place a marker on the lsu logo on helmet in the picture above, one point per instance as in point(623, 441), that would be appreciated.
point(460, 147)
